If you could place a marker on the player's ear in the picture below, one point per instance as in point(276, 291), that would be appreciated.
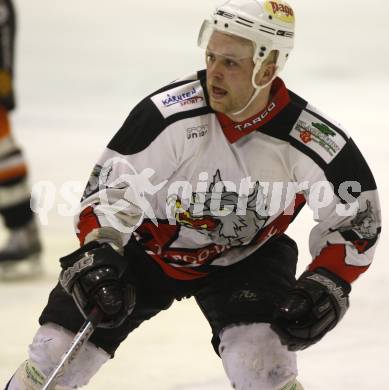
point(266, 73)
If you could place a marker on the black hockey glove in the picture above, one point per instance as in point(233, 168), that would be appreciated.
point(314, 306)
point(92, 275)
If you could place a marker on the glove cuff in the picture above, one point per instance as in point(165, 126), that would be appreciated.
point(337, 288)
point(334, 278)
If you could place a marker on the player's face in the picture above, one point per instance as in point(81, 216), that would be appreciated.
point(229, 71)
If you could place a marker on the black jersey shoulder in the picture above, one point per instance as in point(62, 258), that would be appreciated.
point(280, 126)
point(307, 130)
point(182, 99)
point(323, 141)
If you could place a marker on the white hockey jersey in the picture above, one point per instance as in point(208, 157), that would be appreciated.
point(200, 192)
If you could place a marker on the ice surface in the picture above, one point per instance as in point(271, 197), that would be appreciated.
point(82, 65)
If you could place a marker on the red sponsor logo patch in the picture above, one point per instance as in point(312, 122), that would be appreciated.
point(306, 136)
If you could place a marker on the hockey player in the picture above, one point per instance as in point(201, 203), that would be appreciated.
point(20, 254)
point(192, 198)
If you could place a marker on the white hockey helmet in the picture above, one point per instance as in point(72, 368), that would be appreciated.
point(268, 24)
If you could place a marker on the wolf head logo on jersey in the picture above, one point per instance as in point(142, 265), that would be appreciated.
point(362, 230)
point(219, 219)
point(97, 180)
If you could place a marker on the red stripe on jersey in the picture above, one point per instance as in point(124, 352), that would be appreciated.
point(157, 240)
point(180, 273)
point(156, 237)
point(88, 222)
point(281, 223)
point(332, 258)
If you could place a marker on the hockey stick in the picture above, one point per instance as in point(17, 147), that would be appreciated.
point(78, 342)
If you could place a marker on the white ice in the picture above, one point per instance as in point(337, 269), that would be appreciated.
point(81, 67)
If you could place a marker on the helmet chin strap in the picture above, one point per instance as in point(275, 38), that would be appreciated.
point(257, 88)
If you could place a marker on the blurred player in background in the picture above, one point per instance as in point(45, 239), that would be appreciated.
point(20, 254)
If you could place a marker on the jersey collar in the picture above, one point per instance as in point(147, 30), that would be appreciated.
point(236, 130)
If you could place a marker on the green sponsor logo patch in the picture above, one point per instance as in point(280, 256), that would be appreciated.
point(319, 133)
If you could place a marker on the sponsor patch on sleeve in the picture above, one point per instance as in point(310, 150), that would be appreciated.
point(318, 136)
point(183, 98)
